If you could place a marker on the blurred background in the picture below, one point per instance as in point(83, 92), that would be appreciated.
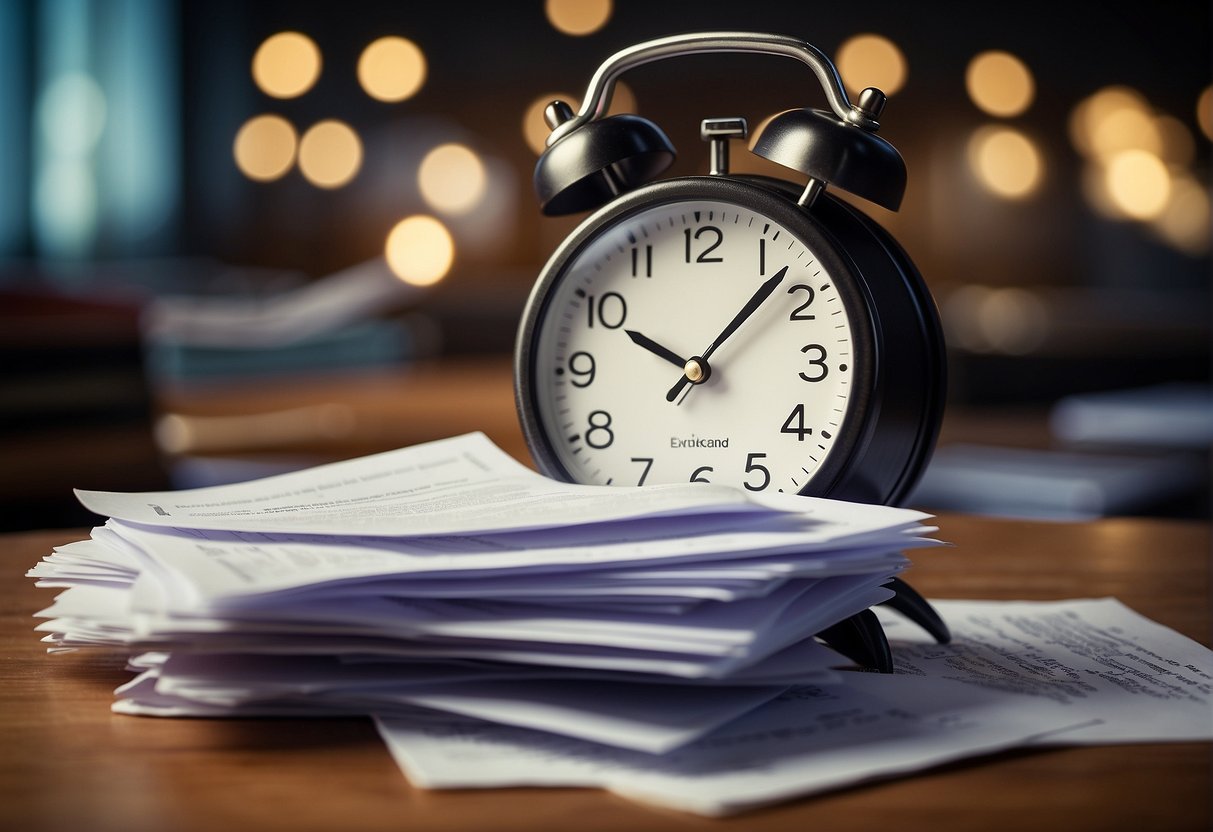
point(238, 238)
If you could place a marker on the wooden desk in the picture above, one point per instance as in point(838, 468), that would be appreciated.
point(67, 763)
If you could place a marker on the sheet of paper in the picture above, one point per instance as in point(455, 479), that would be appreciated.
point(1095, 658)
point(1017, 673)
point(807, 741)
point(460, 485)
point(220, 565)
point(244, 676)
point(725, 637)
point(653, 718)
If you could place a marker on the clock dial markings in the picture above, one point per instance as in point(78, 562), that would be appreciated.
point(682, 292)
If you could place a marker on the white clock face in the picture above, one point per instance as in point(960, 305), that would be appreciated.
point(725, 285)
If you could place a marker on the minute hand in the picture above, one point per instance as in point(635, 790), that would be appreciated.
point(761, 294)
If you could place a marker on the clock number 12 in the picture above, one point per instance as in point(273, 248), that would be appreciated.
point(708, 231)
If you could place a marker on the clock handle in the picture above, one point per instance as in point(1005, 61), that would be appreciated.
point(598, 95)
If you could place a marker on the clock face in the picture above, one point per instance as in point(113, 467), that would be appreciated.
point(766, 312)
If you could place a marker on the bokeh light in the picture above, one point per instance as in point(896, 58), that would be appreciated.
point(420, 250)
point(1184, 222)
point(1000, 84)
point(265, 147)
point(870, 60)
point(71, 114)
point(578, 17)
point(330, 154)
point(286, 65)
point(1138, 183)
point(1178, 147)
point(1091, 112)
point(452, 179)
point(1005, 161)
point(1128, 128)
point(392, 69)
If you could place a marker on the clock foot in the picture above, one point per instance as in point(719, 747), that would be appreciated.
point(862, 640)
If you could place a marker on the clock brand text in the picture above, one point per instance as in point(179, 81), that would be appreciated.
point(697, 442)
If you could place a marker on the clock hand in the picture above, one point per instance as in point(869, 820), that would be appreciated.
point(655, 348)
point(697, 366)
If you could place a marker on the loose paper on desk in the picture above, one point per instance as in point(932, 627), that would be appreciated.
point(1132, 678)
point(1016, 673)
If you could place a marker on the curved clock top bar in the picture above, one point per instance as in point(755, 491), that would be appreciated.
point(598, 94)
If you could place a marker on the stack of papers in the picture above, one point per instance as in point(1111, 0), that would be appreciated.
point(506, 630)
point(449, 579)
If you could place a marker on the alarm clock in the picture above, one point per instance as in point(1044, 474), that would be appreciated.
point(729, 328)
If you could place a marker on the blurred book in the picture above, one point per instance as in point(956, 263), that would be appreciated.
point(1168, 415)
point(365, 344)
point(75, 406)
point(1054, 485)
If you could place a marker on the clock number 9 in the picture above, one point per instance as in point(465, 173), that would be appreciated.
point(577, 366)
point(599, 435)
point(819, 362)
point(609, 319)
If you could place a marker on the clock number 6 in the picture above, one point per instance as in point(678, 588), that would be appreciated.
point(819, 362)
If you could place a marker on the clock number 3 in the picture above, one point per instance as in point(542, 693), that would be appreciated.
point(819, 363)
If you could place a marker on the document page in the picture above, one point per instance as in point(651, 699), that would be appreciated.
point(1136, 679)
point(461, 485)
point(809, 740)
point(1016, 673)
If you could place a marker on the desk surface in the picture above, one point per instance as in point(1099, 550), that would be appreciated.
point(67, 763)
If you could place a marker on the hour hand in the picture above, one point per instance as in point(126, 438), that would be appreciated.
point(655, 348)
